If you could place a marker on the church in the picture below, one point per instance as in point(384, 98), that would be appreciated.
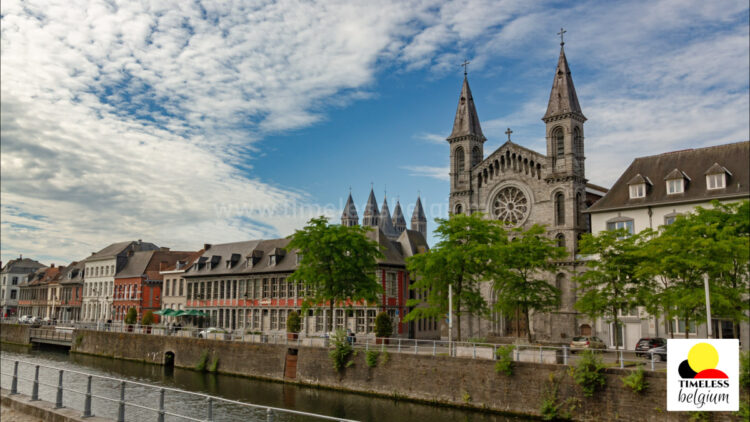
point(523, 187)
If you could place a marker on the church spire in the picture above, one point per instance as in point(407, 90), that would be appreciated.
point(418, 219)
point(466, 122)
point(349, 217)
point(399, 222)
point(385, 223)
point(563, 99)
point(371, 211)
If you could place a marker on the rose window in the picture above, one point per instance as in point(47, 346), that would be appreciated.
point(511, 206)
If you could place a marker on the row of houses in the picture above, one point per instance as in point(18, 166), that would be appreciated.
point(239, 286)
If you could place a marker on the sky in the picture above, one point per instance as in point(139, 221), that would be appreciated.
point(191, 122)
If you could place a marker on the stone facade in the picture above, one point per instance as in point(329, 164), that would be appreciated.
point(523, 187)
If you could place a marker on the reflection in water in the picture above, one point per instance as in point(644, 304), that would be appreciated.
point(333, 403)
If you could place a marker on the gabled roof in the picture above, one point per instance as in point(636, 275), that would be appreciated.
point(467, 121)
point(717, 169)
point(563, 98)
point(676, 174)
point(22, 266)
point(116, 249)
point(695, 164)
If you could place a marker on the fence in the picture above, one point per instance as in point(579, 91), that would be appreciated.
point(120, 407)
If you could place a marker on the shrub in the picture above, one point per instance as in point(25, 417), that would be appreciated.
point(504, 362)
point(293, 323)
point(745, 369)
point(202, 360)
point(214, 364)
point(477, 340)
point(588, 373)
point(148, 318)
point(131, 317)
point(383, 325)
point(384, 358)
point(341, 350)
point(549, 408)
point(371, 358)
point(636, 380)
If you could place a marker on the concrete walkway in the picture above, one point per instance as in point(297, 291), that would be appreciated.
point(20, 408)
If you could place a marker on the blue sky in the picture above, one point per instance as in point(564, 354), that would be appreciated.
point(185, 123)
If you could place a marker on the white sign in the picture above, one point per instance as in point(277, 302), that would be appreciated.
point(703, 375)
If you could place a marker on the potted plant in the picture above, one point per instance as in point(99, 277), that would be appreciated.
point(131, 318)
point(293, 325)
point(147, 320)
point(383, 328)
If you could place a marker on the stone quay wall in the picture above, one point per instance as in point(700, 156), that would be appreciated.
point(15, 334)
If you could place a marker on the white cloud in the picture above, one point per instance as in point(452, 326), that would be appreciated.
point(432, 138)
point(440, 173)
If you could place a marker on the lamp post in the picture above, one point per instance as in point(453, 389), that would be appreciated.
point(708, 307)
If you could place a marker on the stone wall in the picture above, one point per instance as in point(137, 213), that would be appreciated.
point(15, 333)
point(454, 381)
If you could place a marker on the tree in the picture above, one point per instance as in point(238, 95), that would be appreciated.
point(462, 258)
point(148, 318)
point(131, 317)
point(338, 264)
point(519, 274)
point(611, 283)
point(293, 323)
point(383, 325)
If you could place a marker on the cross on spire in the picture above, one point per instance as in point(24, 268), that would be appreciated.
point(562, 34)
point(508, 132)
point(465, 64)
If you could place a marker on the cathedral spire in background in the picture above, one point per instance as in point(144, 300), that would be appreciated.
point(371, 211)
point(399, 222)
point(466, 122)
point(563, 98)
point(385, 223)
point(349, 217)
point(418, 219)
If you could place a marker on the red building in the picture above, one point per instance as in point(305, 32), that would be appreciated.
point(72, 292)
point(138, 285)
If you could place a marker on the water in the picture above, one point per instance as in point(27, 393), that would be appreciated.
point(314, 400)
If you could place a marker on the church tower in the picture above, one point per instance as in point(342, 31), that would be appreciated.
point(385, 223)
point(467, 149)
point(399, 222)
point(371, 216)
point(349, 217)
point(564, 131)
point(418, 219)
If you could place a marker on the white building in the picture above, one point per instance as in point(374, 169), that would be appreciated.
point(100, 270)
point(651, 193)
point(15, 272)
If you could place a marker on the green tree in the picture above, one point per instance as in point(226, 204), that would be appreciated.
point(611, 283)
point(293, 323)
point(338, 264)
point(383, 325)
point(131, 317)
point(519, 274)
point(462, 258)
point(148, 318)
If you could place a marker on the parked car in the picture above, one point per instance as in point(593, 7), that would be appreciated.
point(590, 342)
point(211, 330)
point(647, 343)
point(25, 319)
point(660, 353)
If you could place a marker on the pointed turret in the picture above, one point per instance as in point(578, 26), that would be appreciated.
point(385, 223)
point(418, 219)
point(371, 216)
point(466, 122)
point(349, 217)
point(399, 222)
point(563, 98)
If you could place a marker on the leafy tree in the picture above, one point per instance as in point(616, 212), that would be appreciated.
point(462, 258)
point(293, 322)
point(131, 317)
point(338, 264)
point(519, 274)
point(383, 325)
point(611, 283)
point(148, 318)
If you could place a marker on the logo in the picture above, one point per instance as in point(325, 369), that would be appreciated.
point(702, 374)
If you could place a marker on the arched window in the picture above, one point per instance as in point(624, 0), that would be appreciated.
point(460, 162)
point(558, 142)
point(459, 209)
point(559, 209)
point(476, 156)
point(560, 285)
point(560, 238)
point(577, 142)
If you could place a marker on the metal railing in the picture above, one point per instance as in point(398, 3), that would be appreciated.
point(51, 334)
point(212, 404)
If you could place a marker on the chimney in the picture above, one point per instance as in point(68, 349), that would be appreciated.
point(206, 246)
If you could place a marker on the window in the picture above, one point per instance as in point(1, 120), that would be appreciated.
point(638, 191)
point(680, 328)
point(391, 286)
point(560, 238)
point(716, 181)
point(360, 326)
point(670, 218)
point(282, 318)
point(558, 139)
point(370, 320)
point(274, 288)
point(476, 156)
point(460, 161)
point(675, 186)
point(272, 260)
point(266, 288)
point(12, 293)
point(559, 209)
point(319, 322)
point(14, 281)
point(299, 258)
point(459, 209)
point(577, 142)
point(621, 224)
point(339, 321)
point(274, 320)
point(182, 285)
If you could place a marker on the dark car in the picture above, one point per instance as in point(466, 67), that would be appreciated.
point(646, 344)
point(660, 353)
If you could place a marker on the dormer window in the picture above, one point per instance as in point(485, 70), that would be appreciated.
point(675, 186)
point(638, 186)
point(272, 260)
point(716, 177)
point(299, 258)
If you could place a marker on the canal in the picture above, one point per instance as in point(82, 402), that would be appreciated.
point(307, 399)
